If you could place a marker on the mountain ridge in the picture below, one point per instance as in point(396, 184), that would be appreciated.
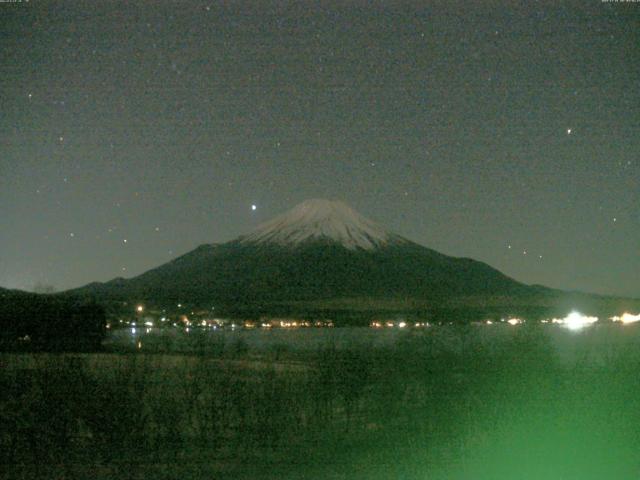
point(318, 219)
point(321, 251)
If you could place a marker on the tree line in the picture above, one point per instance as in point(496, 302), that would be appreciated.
point(50, 323)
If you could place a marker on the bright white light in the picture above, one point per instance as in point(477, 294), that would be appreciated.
point(139, 309)
point(149, 324)
point(253, 207)
point(514, 321)
point(575, 321)
point(627, 318)
point(402, 324)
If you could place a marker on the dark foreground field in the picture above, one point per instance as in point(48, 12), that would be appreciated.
point(412, 411)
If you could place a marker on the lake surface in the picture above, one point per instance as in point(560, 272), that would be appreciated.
point(596, 343)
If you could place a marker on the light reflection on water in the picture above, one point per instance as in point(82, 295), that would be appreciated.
point(597, 342)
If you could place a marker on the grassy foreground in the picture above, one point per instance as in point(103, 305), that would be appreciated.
point(418, 410)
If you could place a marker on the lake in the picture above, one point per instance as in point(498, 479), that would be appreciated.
point(596, 343)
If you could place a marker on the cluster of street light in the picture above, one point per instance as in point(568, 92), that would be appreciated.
point(573, 321)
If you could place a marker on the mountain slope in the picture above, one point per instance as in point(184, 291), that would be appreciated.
point(322, 256)
point(239, 273)
point(320, 250)
point(319, 219)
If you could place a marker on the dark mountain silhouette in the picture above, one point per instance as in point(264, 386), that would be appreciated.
point(30, 321)
point(323, 255)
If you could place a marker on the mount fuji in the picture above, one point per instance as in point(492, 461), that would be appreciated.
point(323, 256)
point(322, 220)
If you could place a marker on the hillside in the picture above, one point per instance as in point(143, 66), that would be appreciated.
point(323, 256)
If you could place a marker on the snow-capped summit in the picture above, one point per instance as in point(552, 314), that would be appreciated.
point(327, 253)
point(326, 220)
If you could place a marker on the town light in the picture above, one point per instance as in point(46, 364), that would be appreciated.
point(575, 321)
point(627, 318)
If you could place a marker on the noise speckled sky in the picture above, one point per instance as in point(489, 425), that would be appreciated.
point(132, 133)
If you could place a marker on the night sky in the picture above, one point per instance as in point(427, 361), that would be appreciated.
point(130, 134)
